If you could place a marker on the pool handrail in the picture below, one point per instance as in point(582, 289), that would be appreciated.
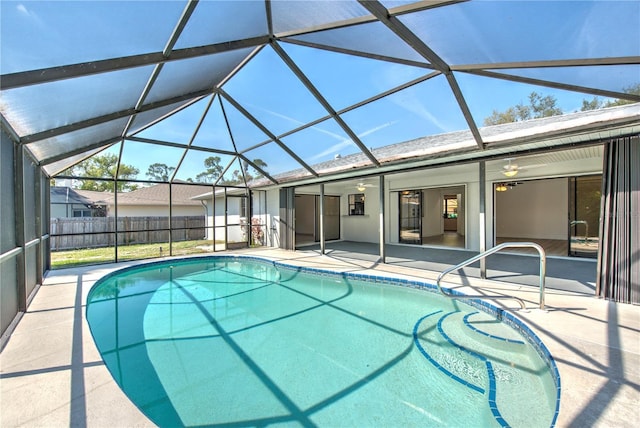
point(586, 225)
point(543, 270)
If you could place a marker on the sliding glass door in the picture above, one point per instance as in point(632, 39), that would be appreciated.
point(410, 217)
point(584, 215)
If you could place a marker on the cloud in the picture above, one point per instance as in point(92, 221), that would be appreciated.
point(276, 114)
point(329, 133)
point(333, 150)
point(376, 129)
point(416, 106)
point(29, 14)
point(346, 142)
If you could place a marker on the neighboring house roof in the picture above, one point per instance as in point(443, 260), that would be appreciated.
point(97, 198)
point(220, 192)
point(67, 195)
point(181, 194)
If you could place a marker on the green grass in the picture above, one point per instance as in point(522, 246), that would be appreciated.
point(70, 258)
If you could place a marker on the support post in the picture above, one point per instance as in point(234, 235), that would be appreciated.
point(47, 222)
point(226, 221)
point(322, 241)
point(21, 273)
point(170, 219)
point(482, 182)
point(383, 256)
point(213, 215)
point(116, 218)
point(38, 219)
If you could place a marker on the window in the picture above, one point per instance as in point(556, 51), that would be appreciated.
point(81, 213)
point(356, 204)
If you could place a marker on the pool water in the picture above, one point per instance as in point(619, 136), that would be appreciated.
point(241, 341)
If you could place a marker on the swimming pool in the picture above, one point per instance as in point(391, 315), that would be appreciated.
point(227, 340)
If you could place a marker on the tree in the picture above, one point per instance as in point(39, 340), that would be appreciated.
point(538, 107)
point(246, 174)
point(103, 166)
point(597, 103)
point(594, 104)
point(260, 164)
point(159, 172)
point(251, 173)
point(213, 171)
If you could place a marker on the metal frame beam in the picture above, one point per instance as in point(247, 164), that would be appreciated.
point(556, 85)
point(266, 131)
point(362, 54)
point(257, 168)
point(580, 62)
point(50, 133)
point(396, 11)
point(395, 25)
point(79, 150)
point(318, 96)
point(52, 74)
point(235, 148)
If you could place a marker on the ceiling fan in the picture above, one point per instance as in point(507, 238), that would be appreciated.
point(511, 169)
point(362, 186)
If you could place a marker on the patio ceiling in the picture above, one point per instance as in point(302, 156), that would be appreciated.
point(293, 91)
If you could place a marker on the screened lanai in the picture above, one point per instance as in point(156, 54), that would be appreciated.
point(238, 103)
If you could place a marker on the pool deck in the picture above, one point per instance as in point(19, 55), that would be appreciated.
point(51, 374)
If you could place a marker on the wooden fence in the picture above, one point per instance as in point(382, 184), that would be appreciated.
point(93, 232)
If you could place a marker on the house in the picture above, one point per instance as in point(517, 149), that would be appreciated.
point(149, 201)
point(68, 202)
point(226, 215)
point(154, 201)
point(142, 216)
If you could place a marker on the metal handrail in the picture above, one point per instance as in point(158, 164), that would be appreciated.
point(543, 270)
point(586, 225)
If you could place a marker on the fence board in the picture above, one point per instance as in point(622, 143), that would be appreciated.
point(94, 232)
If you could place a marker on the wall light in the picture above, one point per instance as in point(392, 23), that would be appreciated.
point(361, 188)
point(501, 187)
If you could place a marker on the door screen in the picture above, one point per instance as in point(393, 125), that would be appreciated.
point(410, 216)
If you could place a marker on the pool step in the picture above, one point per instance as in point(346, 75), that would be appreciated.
point(473, 352)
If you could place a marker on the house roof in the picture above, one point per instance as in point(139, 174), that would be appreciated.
point(158, 194)
point(67, 195)
point(97, 198)
point(181, 194)
point(547, 133)
point(272, 87)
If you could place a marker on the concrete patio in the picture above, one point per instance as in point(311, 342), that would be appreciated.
point(52, 374)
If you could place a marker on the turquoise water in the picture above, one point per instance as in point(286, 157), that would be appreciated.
point(233, 341)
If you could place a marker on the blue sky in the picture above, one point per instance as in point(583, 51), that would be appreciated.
point(45, 34)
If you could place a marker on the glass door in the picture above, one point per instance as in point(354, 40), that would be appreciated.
point(584, 215)
point(410, 216)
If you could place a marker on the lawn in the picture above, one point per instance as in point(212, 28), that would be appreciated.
point(70, 258)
